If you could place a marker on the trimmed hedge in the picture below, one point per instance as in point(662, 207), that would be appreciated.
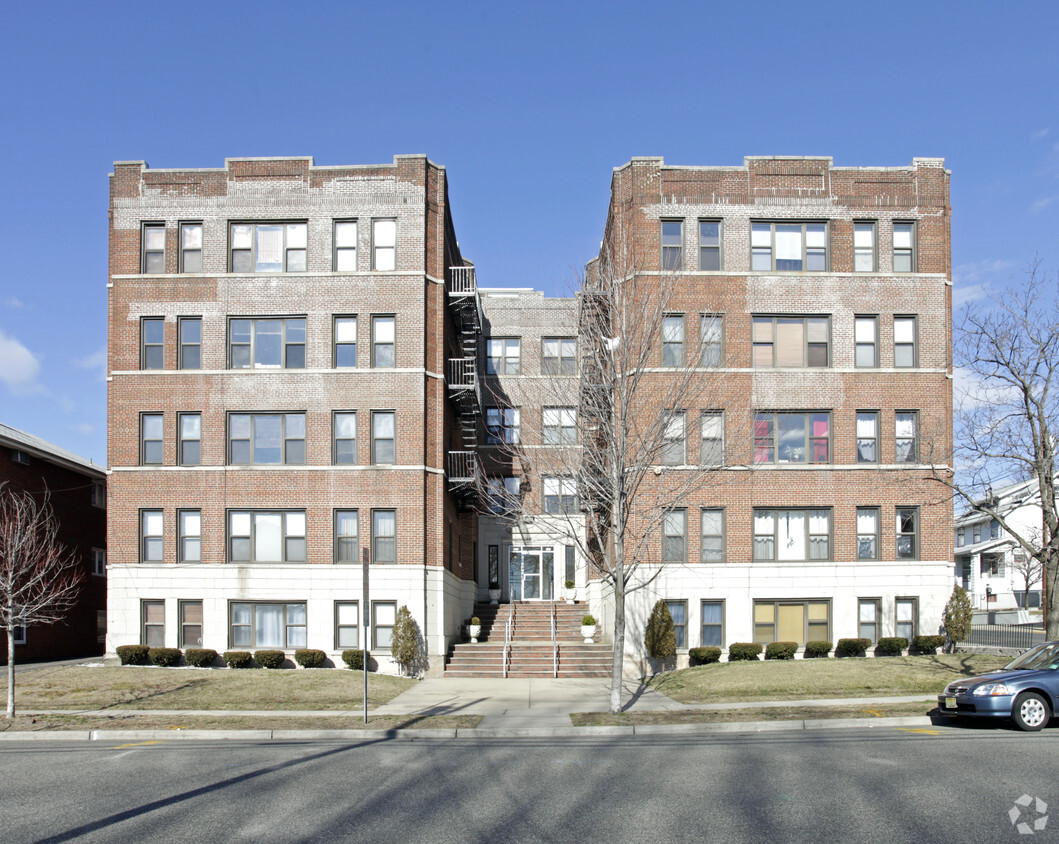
point(738, 651)
point(355, 659)
point(309, 657)
point(852, 647)
point(132, 654)
point(200, 657)
point(704, 655)
point(891, 645)
point(270, 659)
point(238, 659)
point(164, 657)
point(928, 644)
point(781, 650)
point(817, 649)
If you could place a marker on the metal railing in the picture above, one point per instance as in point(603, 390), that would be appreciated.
point(508, 629)
point(463, 466)
point(462, 281)
point(555, 647)
point(1021, 636)
point(463, 376)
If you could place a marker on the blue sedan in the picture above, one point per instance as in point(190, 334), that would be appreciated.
point(1025, 690)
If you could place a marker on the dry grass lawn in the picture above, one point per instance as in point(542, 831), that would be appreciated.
point(802, 679)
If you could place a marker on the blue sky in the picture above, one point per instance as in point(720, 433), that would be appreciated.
point(529, 106)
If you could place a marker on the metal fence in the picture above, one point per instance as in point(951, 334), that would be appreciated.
point(1020, 636)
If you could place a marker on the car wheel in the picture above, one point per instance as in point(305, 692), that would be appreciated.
point(1030, 712)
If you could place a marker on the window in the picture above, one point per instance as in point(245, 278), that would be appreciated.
point(345, 257)
point(711, 452)
point(672, 453)
point(868, 613)
point(191, 248)
point(268, 247)
point(503, 356)
point(792, 438)
point(712, 624)
point(709, 244)
point(344, 426)
point(904, 247)
point(961, 537)
point(907, 614)
point(868, 524)
point(384, 536)
point(672, 245)
point(262, 625)
point(152, 348)
point(792, 621)
point(101, 628)
point(190, 613)
point(347, 625)
point(382, 342)
point(904, 341)
point(713, 546)
point(267, 343)
point(189, 536)
point(345, 342)
point(151, 448)
point(347, 536)
point(383, 244)
point(907, 533)
point(502, 425)
point(792, 534)
point(673, 341)
point(675, 536)
point(154, 248)
point(559, 425)
point(788, 247)
point(20, 634)
point(711, 340)
point(992, 564)
point(865, 334)
point(257, 536)
point(570, 567)
point(189, 446)
point(99, 562)
point(266, 439)
point(560, 495)
point(906, 423)
point(791, 341)
point(679, 612)
point(867, 436)
point(864, 247)
point(493, 563)
point(994, 529)
point(152, 624)
point(503, 495)
point(190, 352)
point(99, 495)
point(383, 432)
point(559, 356)
point(383, 618)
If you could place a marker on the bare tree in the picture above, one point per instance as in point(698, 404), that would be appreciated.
point(615, 483)
point(1029, 569)
point(1006, 417)
point(39, 577)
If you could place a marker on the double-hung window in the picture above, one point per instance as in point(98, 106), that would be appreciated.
point(383, 342)
point(560, 495)
point(267, 625)
point(347, 536)
point(711, 451)
point(673, 440)
point(502, 425)
point(678, 611)
point(268, 247)
point(151, 536)
point(792, 438)
point(867, 436)
point(189, 354)
point(713, 546)
point(189, 536)
point(154, 248)
point(864, 247)
point(347, 625)
point(906, 425)
point(788, 247)
point(673, 340)
point(189, 447)
point(191, 247)
point(904, 247)
point(152, 343)
point(99, 562)
point(711, 340)
point(868, 614)
point(783, 341)
point(712, 624)
point(559, 425)
point(709, 244)
point(503, 496)
point(383, 619)
point(792, 534)
point(383, 437)
point(266, 438)
point(345, 342)
point(384, 536)
point(151, 450)
point(904, 341)
point(559, 356)
point(345, 257)
point(268, 343)
point(259, 536)
point(906, 611)
point(503, 356)
point(868, 524)
point(865, 338)
point(907, 533)
point(190, 613)
point(152, 615)
point(383, 244)
point(672, 245)
point(792, 621)
point(675, 536)
point(344, 449)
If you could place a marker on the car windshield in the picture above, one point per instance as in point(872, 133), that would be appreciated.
point(1042, 657)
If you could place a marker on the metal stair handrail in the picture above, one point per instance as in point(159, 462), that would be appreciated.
point(555, 647)
point(508, 625)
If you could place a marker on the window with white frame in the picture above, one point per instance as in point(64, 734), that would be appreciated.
point(675, 536)
point(792, 534)
point(864, 247)
point(673, 440)
point(189, 536)
point(906, 612)
point(711, 451)
point(344, 447)
point(712, 634)
point(713, 542)
point(868, 532)
point(672, 245)
point(906, 435)
point(99, 562)
point(383, 244)
point(795, 342)
point(384, 342)
point(256, 439)
point(792, 438)
point(560, 495)
point(345, 342)
point(383, 619)
point(347, 536)
point(190, 617)
point(268, 625)
point(673, 340)
point(904, 341)
point(503, 356)
point(151, 447)
point(867, 436)
point(191, 248)
point(345, 257)
point(904, 247)
point(347, 625)
point(268, 247)
point(267, 343)
point(152, 343)
point(559, 356)
point(868, 616)
point(709, 244)
point(711, 340)
point(152, 623)
point(189, 444)
point(907, 533)
point(678, 611)
point(266, 536)
point(865, 337)
point(788, 247)
point(384, 536)
point(154, 248)
point(558, 425)
point(502, 425)
point(383, 437)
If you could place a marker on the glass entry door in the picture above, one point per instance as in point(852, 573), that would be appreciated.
point(531, 573)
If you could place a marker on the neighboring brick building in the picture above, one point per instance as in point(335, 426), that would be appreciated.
point(77, 493)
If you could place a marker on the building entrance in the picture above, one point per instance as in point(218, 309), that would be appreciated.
point(531, 573)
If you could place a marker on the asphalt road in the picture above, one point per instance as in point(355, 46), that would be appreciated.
point(945, 784)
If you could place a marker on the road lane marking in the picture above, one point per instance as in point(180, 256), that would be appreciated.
point(922, 730)
point(136, 744)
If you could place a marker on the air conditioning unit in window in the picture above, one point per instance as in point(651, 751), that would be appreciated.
point(20, 457)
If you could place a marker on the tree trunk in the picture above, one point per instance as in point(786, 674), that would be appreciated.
point(618, 664)
point(1050, 604)
point(10, 671)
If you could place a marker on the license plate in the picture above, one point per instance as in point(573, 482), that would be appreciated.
point(950, 703)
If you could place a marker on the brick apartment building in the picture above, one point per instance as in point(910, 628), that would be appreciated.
point(302, 369)
point(76, 490)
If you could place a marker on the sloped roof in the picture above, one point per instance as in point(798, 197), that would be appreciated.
point(14, 438)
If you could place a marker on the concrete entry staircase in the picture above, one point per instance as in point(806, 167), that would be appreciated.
point(531, 653)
